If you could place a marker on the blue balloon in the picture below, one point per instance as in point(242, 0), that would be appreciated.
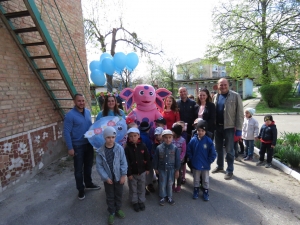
point(107, 66)
point(117, 122)
point(132, 60)
point(119, 60)
point(105, 55)
point(98, 77)
point(94, 65)
point(129, 69)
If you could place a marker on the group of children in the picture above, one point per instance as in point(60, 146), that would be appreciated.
point(167, 155)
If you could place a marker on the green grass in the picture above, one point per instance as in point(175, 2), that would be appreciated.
point(286, 106)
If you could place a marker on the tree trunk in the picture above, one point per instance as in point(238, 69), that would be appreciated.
point(109, 79)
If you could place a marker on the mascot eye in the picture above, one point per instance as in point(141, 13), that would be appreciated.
point(120, 128)
point(151, 93)
point(141, 92)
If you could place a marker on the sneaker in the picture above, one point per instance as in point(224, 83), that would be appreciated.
point(171, 201)
point(111, 219)
point(93, 187)
point(81, 195)
point(142, 206)
point(162, 201)
point(217, 170)
point(228, 176)
point(177, 189)
point(136, 207)
point(196, 193)
point(150, 188)
point(183, 181)
point(241, 153)
point(120, 214)
point(268, 165)
point(245, 156)
point(248, 158)
point(260, 163)
point(147, 192)
point(205, 195)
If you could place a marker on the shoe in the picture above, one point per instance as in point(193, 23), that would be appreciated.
point(245, 156)
point(147, 192)
point(120, 214)
point(268, 165)
point(248, 158)
point(196, 193)
point(142, 206)
point(93, 187)
point(183, 181)
point(136, 207)
point(111, 219)
point(81, 195)
point(205, 195)
point(217, 170)
point(173, 188)
point(228, 176)
point(177, 189)
point(162, 201)
point(241, 153)
point(150, 188)
point(171, 201)
point(260, 163)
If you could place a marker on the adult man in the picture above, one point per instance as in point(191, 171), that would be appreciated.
point(229, 120)
point(77, 121)
point(119, 100)
point(187, 110)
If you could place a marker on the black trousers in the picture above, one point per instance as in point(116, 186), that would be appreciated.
point(263, 149)
point(114, 193)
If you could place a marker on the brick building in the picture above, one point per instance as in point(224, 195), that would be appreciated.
point(33, 90)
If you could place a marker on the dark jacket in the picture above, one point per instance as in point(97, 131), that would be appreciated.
point(268, 134)
point(138, 158)
point(209, 115)
point(146, 140)
point(187, 113)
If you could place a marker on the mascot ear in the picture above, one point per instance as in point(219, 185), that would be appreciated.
point(163, 92)
point(127, 94)
point(159, 103)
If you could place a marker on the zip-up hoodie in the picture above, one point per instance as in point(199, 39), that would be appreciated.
point(268, 134)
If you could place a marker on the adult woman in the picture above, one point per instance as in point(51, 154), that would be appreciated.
point(170, 112)
point(110, 107)
point(206, 110)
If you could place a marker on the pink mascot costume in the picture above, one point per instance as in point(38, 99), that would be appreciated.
point(147, 101)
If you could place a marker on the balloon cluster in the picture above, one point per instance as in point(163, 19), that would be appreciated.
point(110, 65)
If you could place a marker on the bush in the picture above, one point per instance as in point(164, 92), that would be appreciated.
point(292, 156)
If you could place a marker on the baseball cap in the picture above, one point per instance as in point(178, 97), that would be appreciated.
point(109, 132)
point(161, 120)
point(158, 130)
point(166, 132)
point(133, 130)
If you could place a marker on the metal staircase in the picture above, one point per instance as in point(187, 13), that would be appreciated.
point(55, 79)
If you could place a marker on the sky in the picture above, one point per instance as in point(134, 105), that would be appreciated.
point(182, 27)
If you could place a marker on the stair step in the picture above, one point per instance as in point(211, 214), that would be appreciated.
point(50, 68)
point(25, 30)
point(58, 89)
point(40, 57)
point(63, 99)
point(16, 14)
point(33, 44)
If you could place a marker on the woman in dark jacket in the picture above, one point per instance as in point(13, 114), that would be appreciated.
point(206, 110)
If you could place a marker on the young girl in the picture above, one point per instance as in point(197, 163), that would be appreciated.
point(170, 112)
point(249, 132)
point(180, 143)
point(110, 107)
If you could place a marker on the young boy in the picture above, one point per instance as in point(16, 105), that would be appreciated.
point(268, 138)
point(161, 122)
point(167, 165)
point(138, 160)
point(111, 164)
point(201, 152)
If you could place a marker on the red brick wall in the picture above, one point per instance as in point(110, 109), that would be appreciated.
point(30, 127)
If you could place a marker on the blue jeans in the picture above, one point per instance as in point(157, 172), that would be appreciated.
point(83, 163)
point(222, 134)
point(166, 179)
point(249, 147)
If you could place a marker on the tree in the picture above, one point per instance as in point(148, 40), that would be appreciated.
point(261, 37)
point(108, 39)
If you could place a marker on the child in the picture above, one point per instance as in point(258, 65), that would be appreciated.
point(201, 152)
point(161, 122)
point(166, 164)
point(138, 160)
point(249, 132)
point(180, 143)
point(111, 164)
point(236, 140)
point(144, 133)
point(268, 138)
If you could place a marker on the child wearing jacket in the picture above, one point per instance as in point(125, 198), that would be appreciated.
point(249, 132)
point(201, 153)
point(138, 160)
point(268, 138)
point(111, 165)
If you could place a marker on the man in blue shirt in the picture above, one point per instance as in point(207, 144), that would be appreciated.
point(77, 121)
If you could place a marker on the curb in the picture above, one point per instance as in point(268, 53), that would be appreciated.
point(282, 167)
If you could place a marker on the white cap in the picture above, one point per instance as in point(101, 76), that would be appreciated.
point(133, 130)
point(109, 132)
point(167, 132)
point(158, 130)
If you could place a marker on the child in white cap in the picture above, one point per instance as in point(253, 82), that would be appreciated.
point(111, 164)
point(250, 131)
